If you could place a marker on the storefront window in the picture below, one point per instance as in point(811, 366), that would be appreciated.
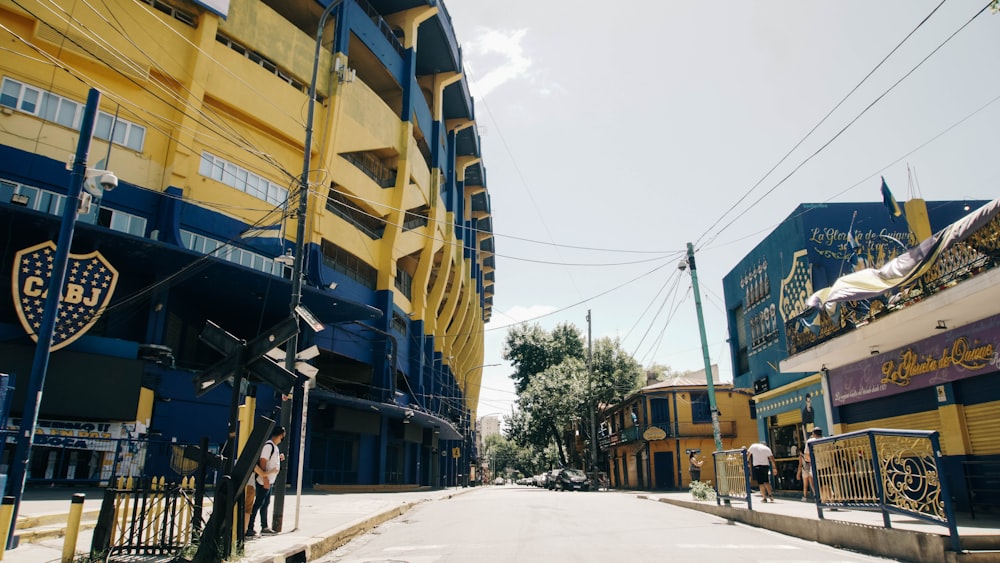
point(786, 443)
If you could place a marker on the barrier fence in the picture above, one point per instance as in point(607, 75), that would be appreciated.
point(145, 517)
point(732, 476)
point(885, 470)
point(891, 471)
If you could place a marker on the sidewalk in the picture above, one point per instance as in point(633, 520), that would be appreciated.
point(326, 521)
point(908, 539)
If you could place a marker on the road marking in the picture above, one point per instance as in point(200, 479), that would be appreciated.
point(412, 547)
point(731, 546)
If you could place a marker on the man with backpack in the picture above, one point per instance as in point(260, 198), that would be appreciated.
point(266, 470)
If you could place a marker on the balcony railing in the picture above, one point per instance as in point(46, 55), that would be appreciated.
point(727, 429)
point(373, 167)
point(960, 260)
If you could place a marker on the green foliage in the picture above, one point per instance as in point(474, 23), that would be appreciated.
point(505, 454)
point(532, 350)
point(702, 491)
point(556, 390)
point(616, 374)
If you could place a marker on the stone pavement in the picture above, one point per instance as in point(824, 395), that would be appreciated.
point(328, 520)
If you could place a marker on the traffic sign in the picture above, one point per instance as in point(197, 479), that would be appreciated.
point(250, 356)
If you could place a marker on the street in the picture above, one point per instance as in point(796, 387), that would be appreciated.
point(514, 523)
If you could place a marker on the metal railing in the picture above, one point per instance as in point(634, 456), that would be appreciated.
point(727, 429)
point(978, 253)
point(891, 471)
point(732, 476)
point(90, 460)
point(145, 517)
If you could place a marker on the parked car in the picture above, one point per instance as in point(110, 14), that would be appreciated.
point(498, 481)
point(570, 479)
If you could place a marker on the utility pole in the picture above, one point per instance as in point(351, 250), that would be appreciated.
point(278, 504)
point(43, 347)
point(704, 345)
point(590, 397)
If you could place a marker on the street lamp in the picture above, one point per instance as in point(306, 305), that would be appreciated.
point(298, 257)
point(40, 364)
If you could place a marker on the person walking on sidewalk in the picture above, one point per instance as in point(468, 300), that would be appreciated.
point(761, 461)
point(266, 469)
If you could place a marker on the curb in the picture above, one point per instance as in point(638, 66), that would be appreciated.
point(873, 540)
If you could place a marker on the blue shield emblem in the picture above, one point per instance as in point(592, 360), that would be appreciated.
point(90, 282)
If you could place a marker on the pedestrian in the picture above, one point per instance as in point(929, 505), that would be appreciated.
point(823, 479)
point(805, 473)
point(266, 469)
point(761, 461)
point(695, 466)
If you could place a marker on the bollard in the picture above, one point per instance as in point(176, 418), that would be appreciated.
point(72, 528)
point(6, 514)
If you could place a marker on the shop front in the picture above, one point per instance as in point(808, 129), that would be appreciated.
point(946, 383)
point(788, 414)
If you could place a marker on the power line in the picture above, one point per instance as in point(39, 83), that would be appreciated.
point(841, 131)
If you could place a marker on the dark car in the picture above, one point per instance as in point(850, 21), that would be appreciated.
point(570, 479)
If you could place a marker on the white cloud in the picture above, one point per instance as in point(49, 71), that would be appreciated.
point(501, 56)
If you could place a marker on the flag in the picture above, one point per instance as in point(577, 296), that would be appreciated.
point(890, 202)
point(851, 243)
point(854, 254)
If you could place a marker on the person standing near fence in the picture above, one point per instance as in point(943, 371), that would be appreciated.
point(266, 470)
point(805, 473)
point(695, 466)
point(761, 461)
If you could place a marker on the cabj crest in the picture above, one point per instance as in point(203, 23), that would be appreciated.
point(90, 282)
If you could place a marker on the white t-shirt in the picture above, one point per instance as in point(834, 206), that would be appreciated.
point(273, 456)
point(759, 454)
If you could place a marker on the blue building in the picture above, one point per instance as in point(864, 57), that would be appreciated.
point(203, 120)
point(769, 289)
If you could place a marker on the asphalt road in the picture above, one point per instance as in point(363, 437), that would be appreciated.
point(522, 524)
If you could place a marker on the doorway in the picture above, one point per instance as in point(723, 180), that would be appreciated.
point(663, 470)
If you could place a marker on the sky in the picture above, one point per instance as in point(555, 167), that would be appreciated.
point(613, 134)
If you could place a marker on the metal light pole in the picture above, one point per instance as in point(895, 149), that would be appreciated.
point(40, 365)
point(590, 396)
point(704, 346)
point(299, 257)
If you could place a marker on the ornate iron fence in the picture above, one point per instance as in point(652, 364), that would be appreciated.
point(891, 471)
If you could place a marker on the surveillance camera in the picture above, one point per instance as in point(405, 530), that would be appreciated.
point(682, 265)
point(108, 181)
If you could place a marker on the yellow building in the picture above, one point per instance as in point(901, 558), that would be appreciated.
point(204, 118)
point(647, 436)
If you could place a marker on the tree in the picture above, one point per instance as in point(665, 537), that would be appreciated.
point(553, 400)
point(555, 391)
point(532, 350)
point(616, 373)
point(504, 453)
